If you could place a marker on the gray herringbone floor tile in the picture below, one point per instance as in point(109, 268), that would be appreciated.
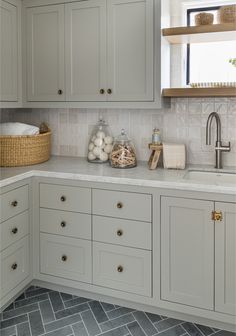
point(43, 312)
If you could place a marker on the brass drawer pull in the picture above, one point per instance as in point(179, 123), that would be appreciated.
point(120, 269)
point(14, 266)
point(14, 204)
point(64, 258)
point(102, 91)
point(119, 205)
point(63, 224)
point(15, 230)
point(217, 216)
point(63, 198)
point(60, 92)
point(119, 233)
point(109, 91)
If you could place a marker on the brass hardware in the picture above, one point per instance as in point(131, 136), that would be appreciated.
point(119, 205)
point(217, 216)
point(63, 224)
point(120, 269)
point(14, 231)
point(109, 91)
point(102, 91)
point(119, 233)
point(14, 266)
point(60, 92)
point(63, 198)
point(14, 203)
point(64, 258)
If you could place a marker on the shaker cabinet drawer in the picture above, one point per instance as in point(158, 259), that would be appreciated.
point(14, 229)
point(122, 205)
point(65, 198)
point(122, 232)
point(14, 265)
point(14, 202)
point(122, 268)
point(65, 223)
point(67, 258)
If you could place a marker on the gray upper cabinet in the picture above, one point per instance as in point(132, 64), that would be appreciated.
point(45, 53)
point(225, 259)
point(8, 53)
point(187, 252)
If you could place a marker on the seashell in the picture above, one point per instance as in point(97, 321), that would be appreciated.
point(93, 138)
point(100, 135)
point(98, 142)
point(91, 156)
point(91, 146)
point(97, 151)
point(108, 140)
point(103, 156)
point(108, 149)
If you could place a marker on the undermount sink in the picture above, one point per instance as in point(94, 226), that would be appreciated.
point(212, 177)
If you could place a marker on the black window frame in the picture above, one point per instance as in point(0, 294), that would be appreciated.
point(189, 12)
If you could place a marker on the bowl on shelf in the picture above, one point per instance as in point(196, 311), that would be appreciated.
point(203, 18)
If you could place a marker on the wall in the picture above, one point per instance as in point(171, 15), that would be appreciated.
point(184, 122)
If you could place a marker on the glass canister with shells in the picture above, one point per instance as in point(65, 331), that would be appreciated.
point(100, 143)
point(123, 152)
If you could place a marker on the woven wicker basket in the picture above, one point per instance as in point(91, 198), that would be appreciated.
point(227, 14)
point(24, 150)
point(204, 19)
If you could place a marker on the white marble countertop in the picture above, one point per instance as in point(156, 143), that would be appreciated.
point(80, 169)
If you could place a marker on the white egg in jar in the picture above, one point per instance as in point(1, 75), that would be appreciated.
point(97, 151)
point(91, 156)
point(98, 142)
point(100, 135)
point(91, 146)
point(108, 140)
point(108, 149)
point(103, 156)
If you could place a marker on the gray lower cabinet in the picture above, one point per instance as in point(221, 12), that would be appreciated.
point(225, 259)
point(187, 252)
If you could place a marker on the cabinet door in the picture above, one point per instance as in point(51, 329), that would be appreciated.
point(225, 259)
point(187, 252)
point(130, 50)
point(45, 53)
point(8, 52)
point(86, 50)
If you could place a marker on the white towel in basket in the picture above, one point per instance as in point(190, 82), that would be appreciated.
point(174, 156)
point(16, 128)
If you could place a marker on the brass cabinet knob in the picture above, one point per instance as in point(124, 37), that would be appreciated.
point(109, 91)
point(63, 198)
point(119, 205)
point(119, 233)
point(102, 91)
point(120, 269)
point(15, 230)
point(64, 258)
point(60, 92)
point(217, 216)
point(63, 224)
point(14, 204)
point(14, 266)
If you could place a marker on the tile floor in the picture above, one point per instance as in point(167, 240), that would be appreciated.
point(40, 311)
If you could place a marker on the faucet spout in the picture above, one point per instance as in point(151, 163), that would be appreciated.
point(219, 148)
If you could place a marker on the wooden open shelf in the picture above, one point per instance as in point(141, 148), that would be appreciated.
point(201, 34)
point(200, 92)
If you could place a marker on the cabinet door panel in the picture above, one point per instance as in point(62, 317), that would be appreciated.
point(45, 53)
point(86, 50)
point(8, 52)
point(187, 252)
point(225, 267)
point(130, 50)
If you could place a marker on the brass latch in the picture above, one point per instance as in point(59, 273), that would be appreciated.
point(217, 216)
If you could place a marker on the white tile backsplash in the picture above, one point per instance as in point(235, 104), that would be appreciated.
point(184, 122)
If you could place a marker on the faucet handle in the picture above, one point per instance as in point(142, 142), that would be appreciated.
point(226, 148)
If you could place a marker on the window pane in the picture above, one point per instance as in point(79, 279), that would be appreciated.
point(209, 62)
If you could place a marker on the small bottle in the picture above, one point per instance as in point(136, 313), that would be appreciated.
point(156, 136)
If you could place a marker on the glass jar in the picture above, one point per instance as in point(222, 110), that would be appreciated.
point(100, 143)
point(123, 152)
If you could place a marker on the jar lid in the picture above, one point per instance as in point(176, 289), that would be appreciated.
point(123, 138)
